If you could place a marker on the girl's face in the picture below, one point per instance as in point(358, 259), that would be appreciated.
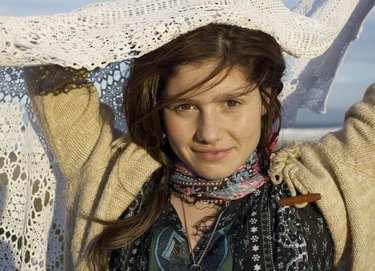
point(216, 130)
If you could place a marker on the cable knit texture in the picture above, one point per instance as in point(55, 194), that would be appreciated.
point(104, 175)
point(341, 166)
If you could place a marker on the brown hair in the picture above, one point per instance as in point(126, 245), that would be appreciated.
point(255, 52)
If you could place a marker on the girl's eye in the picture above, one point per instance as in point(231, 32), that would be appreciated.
point(184, 107)
point(232, 103)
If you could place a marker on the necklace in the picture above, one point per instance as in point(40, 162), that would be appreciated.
point(202, 204)
point(196, 264)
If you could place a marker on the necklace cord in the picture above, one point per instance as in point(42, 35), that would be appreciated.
point(197, 264)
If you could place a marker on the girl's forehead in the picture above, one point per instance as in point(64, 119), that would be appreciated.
point(196, 78)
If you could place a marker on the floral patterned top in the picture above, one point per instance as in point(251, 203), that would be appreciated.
point(254, 233)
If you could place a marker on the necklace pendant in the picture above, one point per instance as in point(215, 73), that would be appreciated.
point(195, 267)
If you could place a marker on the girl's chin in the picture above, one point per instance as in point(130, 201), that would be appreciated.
point(214, 174)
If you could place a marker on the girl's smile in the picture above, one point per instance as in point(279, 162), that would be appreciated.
point(213, 155)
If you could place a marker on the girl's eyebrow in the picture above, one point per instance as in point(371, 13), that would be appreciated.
point(216, 98)
point(235, 93)
point(231, 95)
point(182, 100)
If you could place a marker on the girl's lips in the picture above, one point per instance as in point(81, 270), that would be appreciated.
point(212, 156)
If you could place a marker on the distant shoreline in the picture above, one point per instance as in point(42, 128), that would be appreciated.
point(316, 125)
point(309, 133)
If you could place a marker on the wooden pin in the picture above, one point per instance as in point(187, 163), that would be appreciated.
point(300, 199)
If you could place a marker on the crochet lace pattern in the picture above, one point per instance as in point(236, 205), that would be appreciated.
point(32, 206)
point(31, 185)
point(101, 33)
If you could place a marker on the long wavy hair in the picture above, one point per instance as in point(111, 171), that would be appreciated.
point(260, 58)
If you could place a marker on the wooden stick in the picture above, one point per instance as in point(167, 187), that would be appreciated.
point(300, 199)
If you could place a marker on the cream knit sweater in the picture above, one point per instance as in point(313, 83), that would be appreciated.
point(104, 175)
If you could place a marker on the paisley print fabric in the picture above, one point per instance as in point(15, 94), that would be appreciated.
point(244, 181)
point(254, 233)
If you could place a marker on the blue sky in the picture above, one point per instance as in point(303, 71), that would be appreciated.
point(355, 74)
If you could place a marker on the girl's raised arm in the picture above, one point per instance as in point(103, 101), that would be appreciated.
point(68, 109)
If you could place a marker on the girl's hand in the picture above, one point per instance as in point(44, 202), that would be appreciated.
point(52, 78)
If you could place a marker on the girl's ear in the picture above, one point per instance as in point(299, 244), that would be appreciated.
point(264, 109)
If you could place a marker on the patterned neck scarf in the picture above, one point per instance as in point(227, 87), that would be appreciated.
point(242, 182)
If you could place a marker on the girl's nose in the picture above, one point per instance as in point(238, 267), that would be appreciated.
point(210, 128)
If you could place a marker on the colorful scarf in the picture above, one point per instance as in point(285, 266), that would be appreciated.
point(242, 182)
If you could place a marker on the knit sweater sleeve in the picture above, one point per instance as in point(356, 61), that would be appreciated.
point(68, 110)
point(341, 167)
